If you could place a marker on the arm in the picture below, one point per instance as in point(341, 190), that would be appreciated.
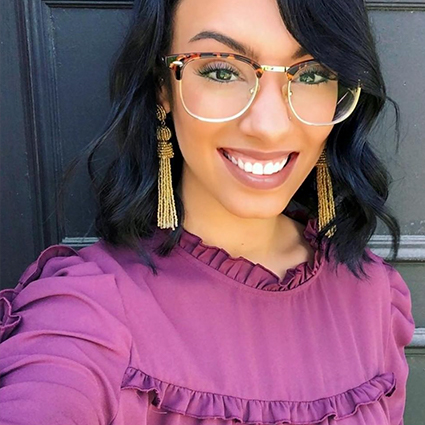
point(402, 327)
point(65, 346)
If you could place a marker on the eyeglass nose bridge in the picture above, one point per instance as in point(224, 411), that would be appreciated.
point(273, 68)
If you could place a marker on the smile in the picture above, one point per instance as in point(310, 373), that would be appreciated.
point(258, 168)
point(264, 172)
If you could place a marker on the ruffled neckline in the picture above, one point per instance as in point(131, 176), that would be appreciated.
point(253, 274)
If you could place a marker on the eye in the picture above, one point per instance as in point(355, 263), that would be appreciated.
point(221, 72)
point(314, 74)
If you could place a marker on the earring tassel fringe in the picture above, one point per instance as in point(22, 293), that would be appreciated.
point(167, 215)
point(326, 202)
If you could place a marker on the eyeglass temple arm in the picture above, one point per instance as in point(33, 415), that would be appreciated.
point(169, 60)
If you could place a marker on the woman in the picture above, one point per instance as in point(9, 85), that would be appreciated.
point(231, 281)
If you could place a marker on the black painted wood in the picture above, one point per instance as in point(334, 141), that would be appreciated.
point(54, 101)
point(20, 213)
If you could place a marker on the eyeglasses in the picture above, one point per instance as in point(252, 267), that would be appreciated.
point(219, 87)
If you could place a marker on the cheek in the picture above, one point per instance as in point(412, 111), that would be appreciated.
point(315, 138)
point(188, 130)
point(316, 135)
point(198, 140)
point(195, 139)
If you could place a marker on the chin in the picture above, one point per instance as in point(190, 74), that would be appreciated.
point(256, 209)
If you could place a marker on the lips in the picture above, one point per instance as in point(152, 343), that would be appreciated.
point(254, 181)
point(258, 167)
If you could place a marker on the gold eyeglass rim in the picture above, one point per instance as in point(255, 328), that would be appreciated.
point(177, 61)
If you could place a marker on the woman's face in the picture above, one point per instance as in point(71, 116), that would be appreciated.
point(266, 132)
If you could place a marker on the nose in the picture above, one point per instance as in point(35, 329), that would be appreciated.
point(269, 116)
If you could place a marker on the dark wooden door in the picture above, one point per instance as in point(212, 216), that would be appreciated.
point(55, 56)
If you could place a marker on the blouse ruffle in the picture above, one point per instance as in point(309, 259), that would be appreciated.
point(254, 274)
point(10, 320)
point(204, 405)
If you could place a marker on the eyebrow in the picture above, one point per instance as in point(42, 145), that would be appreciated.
point(239, 47)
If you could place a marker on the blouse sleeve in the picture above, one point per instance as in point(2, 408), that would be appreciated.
point(64, 343)
point(402, 327)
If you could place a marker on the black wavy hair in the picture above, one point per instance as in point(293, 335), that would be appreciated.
point(337, 34)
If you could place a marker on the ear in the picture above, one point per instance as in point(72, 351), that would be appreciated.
point(163, 96)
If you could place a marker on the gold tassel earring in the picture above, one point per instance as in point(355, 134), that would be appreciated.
point(325, 195)
point(167, 215)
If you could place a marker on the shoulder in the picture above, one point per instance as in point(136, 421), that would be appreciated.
point(58, 260)
point(400, 296)
point(385, 271)
point(400, 300)
point(65, 283)
point(62, 260)
point(373, 290)
point(62, 264)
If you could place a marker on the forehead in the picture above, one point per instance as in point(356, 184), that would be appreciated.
point(255, 23)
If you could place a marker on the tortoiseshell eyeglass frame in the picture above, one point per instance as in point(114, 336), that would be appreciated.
point(176, 62)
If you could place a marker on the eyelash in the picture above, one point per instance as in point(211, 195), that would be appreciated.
point(216, 67)
point(320, 72)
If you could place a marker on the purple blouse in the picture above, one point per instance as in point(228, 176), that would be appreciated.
point(93, 337)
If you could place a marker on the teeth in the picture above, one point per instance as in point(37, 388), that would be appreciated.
point(268, 168)
point(248, 167)
point(257, 168)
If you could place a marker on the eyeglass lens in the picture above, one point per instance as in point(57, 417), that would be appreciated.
point(220, 88)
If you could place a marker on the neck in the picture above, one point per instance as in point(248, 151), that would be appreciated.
point(256, 239)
